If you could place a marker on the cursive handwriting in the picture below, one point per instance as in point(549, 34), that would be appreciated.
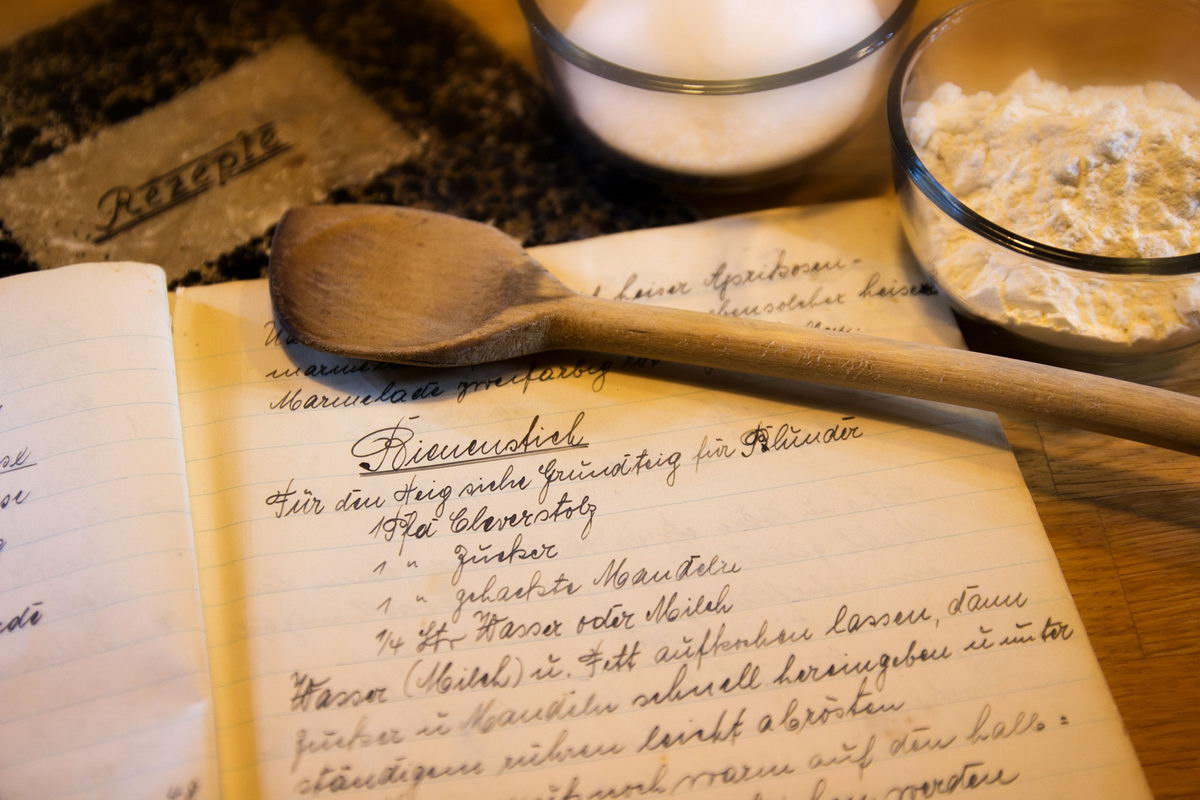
point(484, 554)
point(627, 466)
point(534, 374)
point(784, 436)
point(847, 621)
point(722, 279)
point(301, 399)
point(817, 297)
point(559, 751)
point(328, 740)
point(795, 671)
point(970, 600)
point(968, 777)
point(352, 778)
point(123, 207)
point(481, 520)
point(876, 288)
point(620, 574)
point(635, 288)
point(13, 462)
point(491, 715)
point(393, 449)
point(718, 641)
point(30, 616)
point(492, 591)
point(309, 693)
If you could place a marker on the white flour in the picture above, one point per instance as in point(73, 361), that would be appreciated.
point(1105, 170)
point(722, 39)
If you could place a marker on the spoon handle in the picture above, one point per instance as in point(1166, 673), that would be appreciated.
point(961, 377)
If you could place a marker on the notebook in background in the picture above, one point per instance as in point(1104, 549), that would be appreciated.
point(103, 668)
point(176, 132)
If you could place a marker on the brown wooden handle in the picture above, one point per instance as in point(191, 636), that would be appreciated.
point(961, 377)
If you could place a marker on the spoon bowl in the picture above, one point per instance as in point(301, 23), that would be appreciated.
point(410, 286)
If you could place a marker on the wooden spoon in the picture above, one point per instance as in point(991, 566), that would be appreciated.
point(417, 287)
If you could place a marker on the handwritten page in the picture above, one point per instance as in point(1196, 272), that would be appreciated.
point(104, 685)
point(589, 576)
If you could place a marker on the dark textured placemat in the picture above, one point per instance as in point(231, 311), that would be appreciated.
point(492, 147)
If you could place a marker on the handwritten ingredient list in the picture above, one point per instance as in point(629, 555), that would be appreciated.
point(592, 576)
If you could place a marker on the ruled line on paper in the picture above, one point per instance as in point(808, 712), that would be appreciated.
point(863, 522)
point(92, 410)
point(83, 340)
point(225, 488)
point(797, 521)
point(1096, 720)
point(167, 724)
point(110, 696)
point(108, 442)
point(471, 461)
point(98, 549)
point(241, 351)
point(95, 653)
point(94, 374)
point(96, 564)
point(810, 409)
point(1059, 599)
point(943, 425)
point(92, 524)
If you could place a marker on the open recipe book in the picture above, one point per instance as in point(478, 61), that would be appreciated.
point(231, 566)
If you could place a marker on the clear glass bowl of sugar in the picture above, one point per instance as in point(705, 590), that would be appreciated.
point(717, 94)
point(1048, 170)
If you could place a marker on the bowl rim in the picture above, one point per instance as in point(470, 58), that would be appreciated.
point(914, 168)
point(547, 32)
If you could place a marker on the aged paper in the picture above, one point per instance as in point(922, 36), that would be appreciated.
point(587, 576)
point(104, 686)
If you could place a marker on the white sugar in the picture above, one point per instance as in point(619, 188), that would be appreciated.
point(722, 39)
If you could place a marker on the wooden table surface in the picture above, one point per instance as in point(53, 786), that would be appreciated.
point(1124, 518)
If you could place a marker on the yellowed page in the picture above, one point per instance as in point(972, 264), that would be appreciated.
point(104, 686)
point(585, 576)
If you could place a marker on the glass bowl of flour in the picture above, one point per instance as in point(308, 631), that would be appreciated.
point(1048, 169)
point(720, 94)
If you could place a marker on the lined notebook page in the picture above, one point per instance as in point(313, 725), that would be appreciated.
point(585, 576)
point(104, 687)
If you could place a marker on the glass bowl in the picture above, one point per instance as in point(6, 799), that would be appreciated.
point(1058, 303)
point(706, 94)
